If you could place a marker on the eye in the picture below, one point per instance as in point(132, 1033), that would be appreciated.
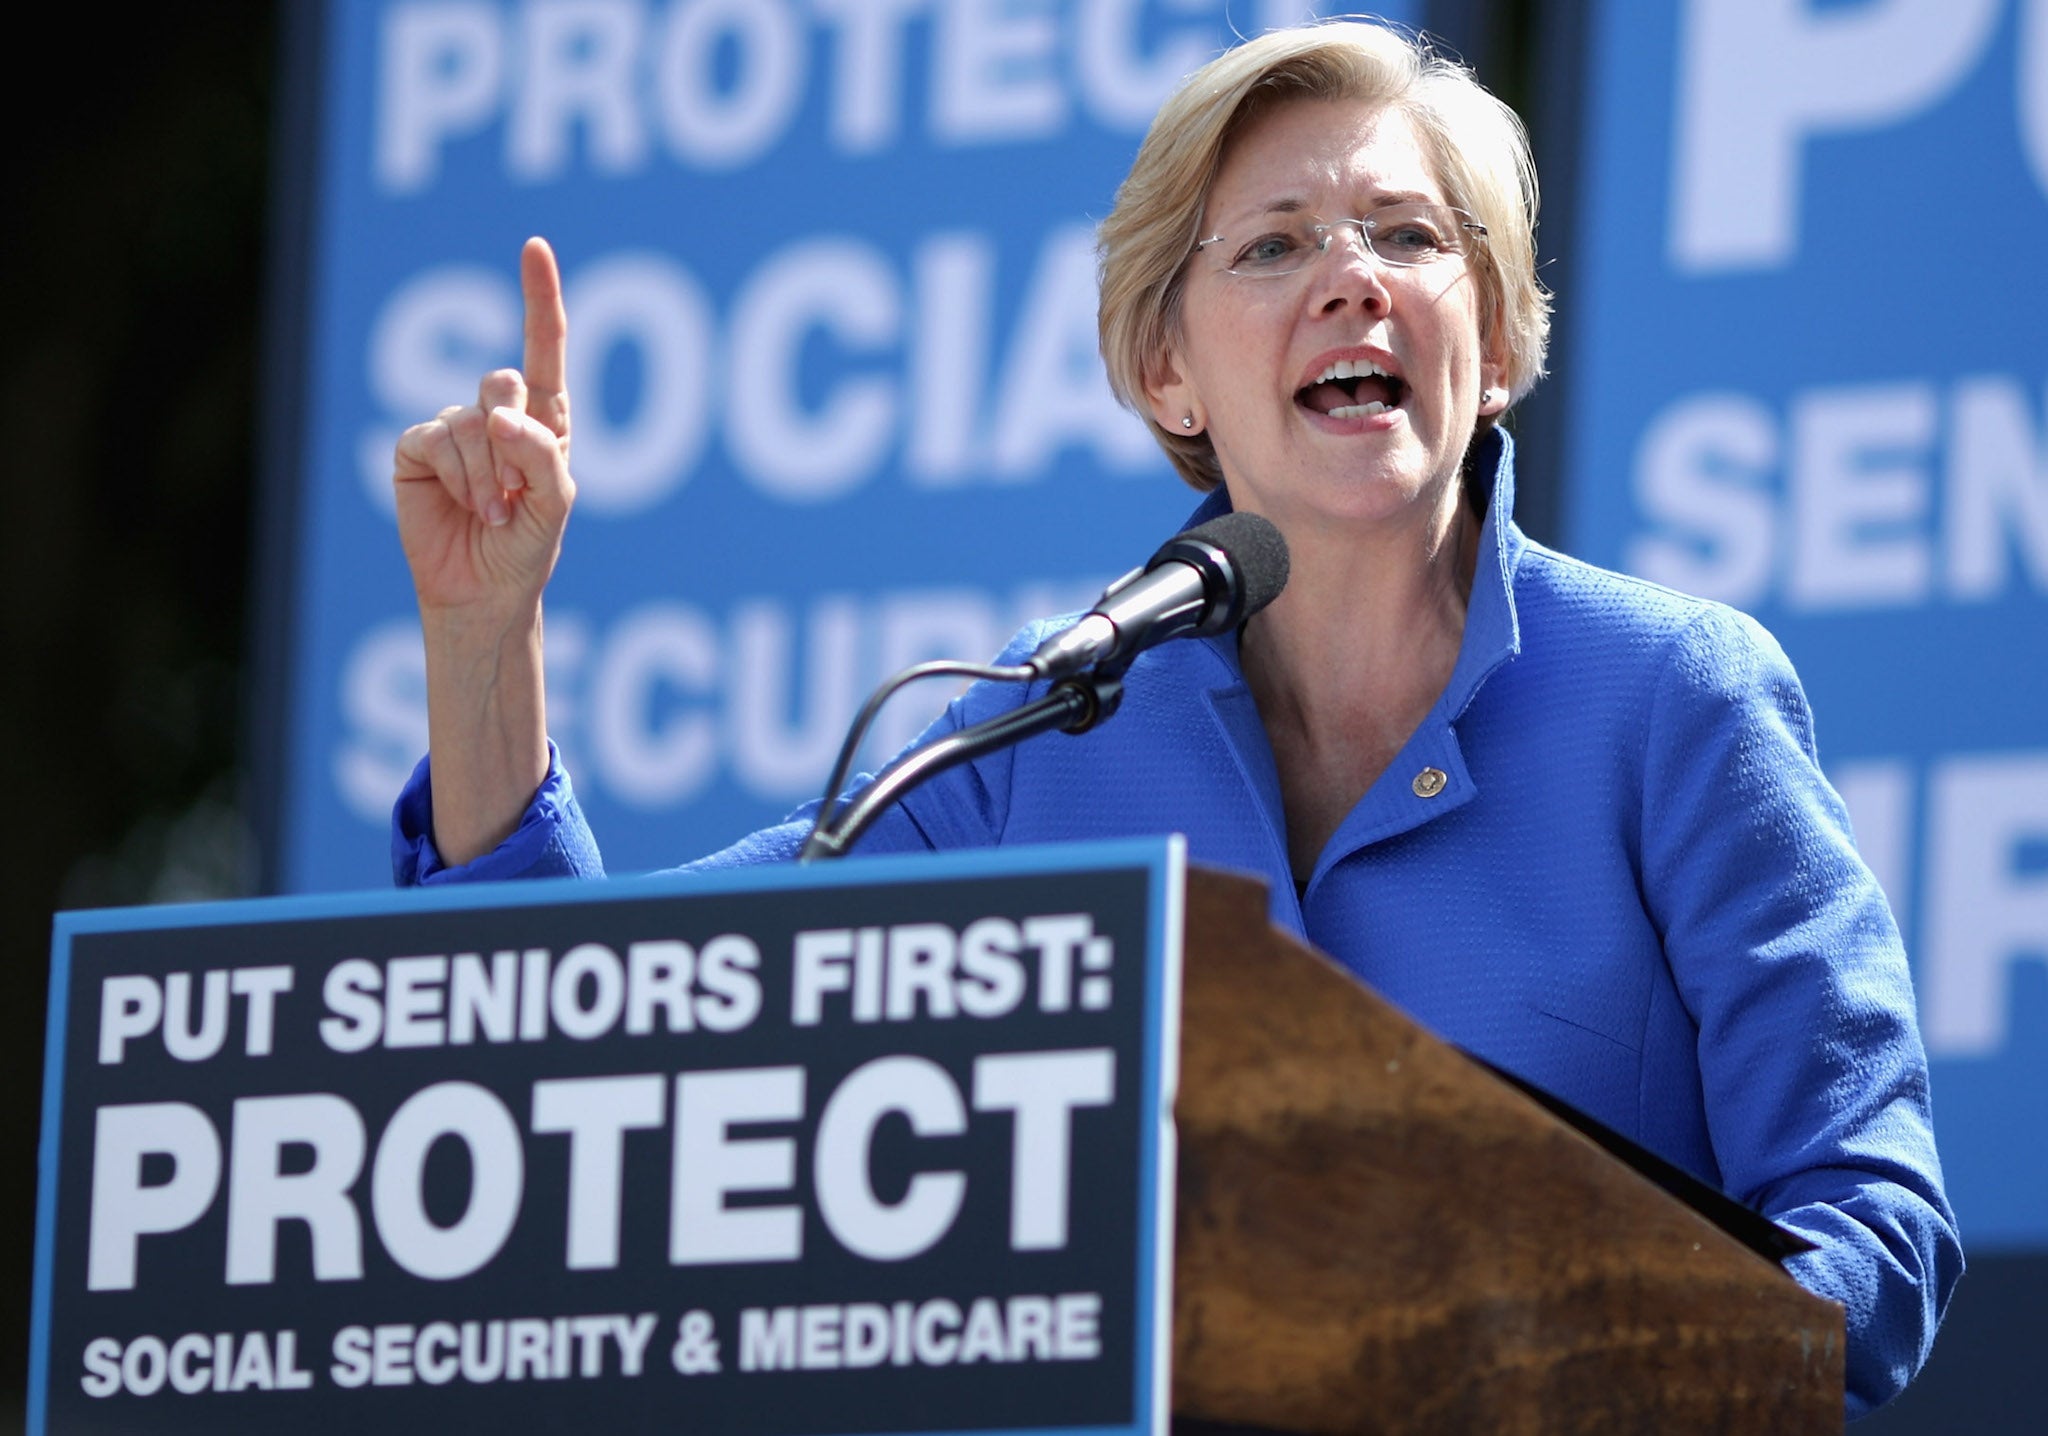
point(1411, 236)
point(1267, 251)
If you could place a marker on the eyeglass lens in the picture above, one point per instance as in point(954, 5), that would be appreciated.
point(1402, 234)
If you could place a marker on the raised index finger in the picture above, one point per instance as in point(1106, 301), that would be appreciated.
point(547, 337)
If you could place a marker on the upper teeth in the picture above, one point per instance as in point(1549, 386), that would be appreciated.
point(1352, 369)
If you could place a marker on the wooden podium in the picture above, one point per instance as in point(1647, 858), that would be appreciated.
point(1369, 1236)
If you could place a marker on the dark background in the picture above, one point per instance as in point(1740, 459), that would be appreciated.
point(137, 182)
point(142, 181)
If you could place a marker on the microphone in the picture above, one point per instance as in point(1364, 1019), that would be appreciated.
point(1201, 582)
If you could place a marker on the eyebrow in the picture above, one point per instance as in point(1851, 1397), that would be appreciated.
point(1294, 204)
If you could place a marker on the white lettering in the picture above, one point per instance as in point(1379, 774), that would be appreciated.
point(867, 79)
point(1042, 1089)
point(1053, 391)
point(724, 127)
point(1996, 490)
point(718, 84)
point(596, 1113)
point(1848, 521)
point(994, 73)
point(358, 1015)
point(1122, 87)
point(261, 1193)
point(626, 465)
point(523, 1348)
point(441, 67)
point(822, 965)
point(710, 1162)
point(123, 1208)
point(1061, 940)
point(607, 980)
point(658, 976)
point(726, 970)
point(1027, 1327)
point(921, 1091)
point(1860, 502)
point(1759, 78)
point(2033, 89)
point(473, 1116)
point(144, 1366)
point(768, 1339)
point(181, 1039)
point(922, 957)
point(992, 975)
point(478, 1002)
point(102, 1367)
point(954, 280)
point(1700, 470)
point(577, 66)
point(412, 1001)
point(799, 453)
point(655, 755)
point(129, 1007)
point(261, 986)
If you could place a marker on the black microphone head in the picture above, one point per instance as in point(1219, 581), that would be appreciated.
point(1259, 552)
point(1253, 554)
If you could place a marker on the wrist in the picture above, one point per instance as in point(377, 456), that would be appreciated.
point(491, 624)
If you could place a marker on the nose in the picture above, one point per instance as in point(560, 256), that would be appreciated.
point(1347, 233)
point(1348, 272)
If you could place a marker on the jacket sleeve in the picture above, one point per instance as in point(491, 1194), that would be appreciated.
point(1786, 954)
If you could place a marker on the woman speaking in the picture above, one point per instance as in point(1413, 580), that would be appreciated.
point(1571, 821)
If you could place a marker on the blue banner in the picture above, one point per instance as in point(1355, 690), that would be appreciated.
point(831, 289)
point(1808, 380)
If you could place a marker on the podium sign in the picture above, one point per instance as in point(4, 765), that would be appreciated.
point(882, 1147)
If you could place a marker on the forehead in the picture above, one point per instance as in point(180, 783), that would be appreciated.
point(1323, 154)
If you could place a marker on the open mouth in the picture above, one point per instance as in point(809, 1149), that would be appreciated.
point(1352, 389)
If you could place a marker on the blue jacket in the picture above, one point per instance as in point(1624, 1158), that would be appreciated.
point(1633, 888)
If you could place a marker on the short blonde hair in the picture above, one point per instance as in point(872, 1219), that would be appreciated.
point(1478, 145)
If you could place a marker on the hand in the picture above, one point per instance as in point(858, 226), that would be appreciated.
point(483, 497)
point(483, 490)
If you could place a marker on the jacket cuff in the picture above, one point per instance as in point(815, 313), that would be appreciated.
point(552, 840)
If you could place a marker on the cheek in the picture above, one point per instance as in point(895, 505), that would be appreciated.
point(1231, 339)
point(1210, 344)
point(1464, 309)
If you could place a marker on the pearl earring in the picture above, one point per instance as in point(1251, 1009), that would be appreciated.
point(1187, 421)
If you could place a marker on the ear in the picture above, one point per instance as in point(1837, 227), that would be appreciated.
point(1493, 378)
point(1175, 406)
